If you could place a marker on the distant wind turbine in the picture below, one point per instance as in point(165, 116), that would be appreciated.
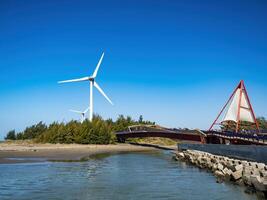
point(82, 113)
point(92, 83)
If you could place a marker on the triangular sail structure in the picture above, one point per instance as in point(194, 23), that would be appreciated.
point(238, 109)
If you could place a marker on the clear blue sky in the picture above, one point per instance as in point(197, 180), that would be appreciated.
point(174, 62)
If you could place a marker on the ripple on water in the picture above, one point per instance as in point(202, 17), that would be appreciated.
point(120, 176)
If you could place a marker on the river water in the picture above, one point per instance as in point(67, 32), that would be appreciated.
point(152, 175)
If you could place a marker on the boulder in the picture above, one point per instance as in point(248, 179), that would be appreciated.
point(255, 171)
point(227, 174)
point(237, 174)
point(261, 166)
point(247, 177)
point(214, 167)
point(213, 160)
point(209, 163)
point(220, 167)
point(230, 166)
point(237, 162)
point(219, 174)
point(259, 183)
point(238, 167)
point(263, 174)
point(240, 182)
point(180, 155)
point(186, 155)
point(199, 159)
point(244, 162)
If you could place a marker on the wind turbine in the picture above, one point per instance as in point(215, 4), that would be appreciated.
point(81, 112)
point(93, 83)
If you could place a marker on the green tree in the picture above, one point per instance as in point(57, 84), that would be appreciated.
point(262, 122)
point(34, 130)
point(99, 131)
point(11, 135)
point(140, 120)
point(19, 136)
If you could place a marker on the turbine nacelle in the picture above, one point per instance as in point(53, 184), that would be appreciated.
point(91, 78)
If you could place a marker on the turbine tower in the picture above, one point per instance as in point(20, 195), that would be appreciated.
point(93, 83)
point(82, 113)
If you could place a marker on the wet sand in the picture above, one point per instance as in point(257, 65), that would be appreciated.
point(21, 153)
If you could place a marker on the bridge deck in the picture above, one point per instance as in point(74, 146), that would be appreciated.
point(210, 137)
point(122, 136)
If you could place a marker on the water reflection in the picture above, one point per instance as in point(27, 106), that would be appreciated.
point(151, 175)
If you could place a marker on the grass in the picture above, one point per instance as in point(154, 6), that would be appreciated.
point(154, 140)
point(19, 142)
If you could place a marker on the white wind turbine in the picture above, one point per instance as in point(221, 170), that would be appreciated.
point(82, 113)
point(92, 81)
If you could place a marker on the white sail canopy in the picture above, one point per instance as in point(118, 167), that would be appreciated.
point(246, 113)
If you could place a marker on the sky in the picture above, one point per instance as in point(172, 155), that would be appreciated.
point(174, 62)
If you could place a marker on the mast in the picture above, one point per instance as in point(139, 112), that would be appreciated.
point(239, 104)
point(239, 109)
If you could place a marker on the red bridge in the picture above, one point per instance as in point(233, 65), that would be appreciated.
point(141, 131)
point(210, 137)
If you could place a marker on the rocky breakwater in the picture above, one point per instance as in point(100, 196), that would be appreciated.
point(253, 175)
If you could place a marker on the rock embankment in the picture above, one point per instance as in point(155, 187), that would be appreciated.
point(253, 175)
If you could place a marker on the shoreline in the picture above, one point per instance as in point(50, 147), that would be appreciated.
point(12, 153)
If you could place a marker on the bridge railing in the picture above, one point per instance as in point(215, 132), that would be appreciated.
point(244, 136)
point(143, 128)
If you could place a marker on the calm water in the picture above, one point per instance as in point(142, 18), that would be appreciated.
point(121, 176)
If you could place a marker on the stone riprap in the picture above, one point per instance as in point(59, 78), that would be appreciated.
point(254, 153)
point(245, 173)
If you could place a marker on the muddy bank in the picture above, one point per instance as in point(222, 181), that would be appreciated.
point(20, 153)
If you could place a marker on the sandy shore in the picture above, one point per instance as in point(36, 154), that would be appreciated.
point(19, 153)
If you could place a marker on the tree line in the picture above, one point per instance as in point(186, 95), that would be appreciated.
point(98, 131)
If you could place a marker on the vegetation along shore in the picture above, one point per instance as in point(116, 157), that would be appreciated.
point(97, 131)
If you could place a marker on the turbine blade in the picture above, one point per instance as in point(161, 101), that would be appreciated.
point(75, 80)
point(98, 65)
point(76, 111)
point(86, 110)
point(102, 92)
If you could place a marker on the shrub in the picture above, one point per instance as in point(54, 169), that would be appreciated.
point(11, 135)
point(99, 131)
